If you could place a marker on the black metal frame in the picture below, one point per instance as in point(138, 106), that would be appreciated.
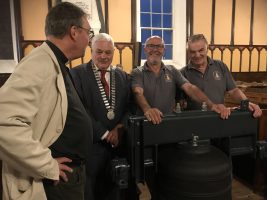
point(144, 137)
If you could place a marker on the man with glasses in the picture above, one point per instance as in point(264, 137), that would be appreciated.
point(105, 91)
point(46, 134)
point(155, 85)
point(90, 32)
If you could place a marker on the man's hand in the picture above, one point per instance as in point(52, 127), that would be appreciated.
point(196, 94)
point(114, 135)
point(222, 110)
point(154, 115)
point(257, 112)
point(63, 168)
point(238, 95)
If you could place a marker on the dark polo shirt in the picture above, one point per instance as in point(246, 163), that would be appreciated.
point(159, 90)
point(76, 139)
point(216, 80)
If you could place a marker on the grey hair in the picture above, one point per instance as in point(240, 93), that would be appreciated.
point(61, 17)
point(196, 38)
point(102, 37)
point(154, 36)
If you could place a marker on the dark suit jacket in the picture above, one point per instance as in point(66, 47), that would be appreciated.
point(85, 83)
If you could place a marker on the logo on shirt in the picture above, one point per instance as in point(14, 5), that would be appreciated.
point(217, 75)
point(167, 78)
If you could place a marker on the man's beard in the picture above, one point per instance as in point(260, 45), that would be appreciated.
point(154, 61)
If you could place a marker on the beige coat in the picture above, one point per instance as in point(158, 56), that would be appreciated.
point(33, 108)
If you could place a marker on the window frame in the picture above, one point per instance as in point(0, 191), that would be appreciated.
point(179, 33)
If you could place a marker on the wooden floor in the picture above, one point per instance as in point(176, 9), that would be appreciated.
point(239, 192)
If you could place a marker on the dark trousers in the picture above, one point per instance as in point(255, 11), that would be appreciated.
point(71, 190)
point(99, 184)
point(151, 181)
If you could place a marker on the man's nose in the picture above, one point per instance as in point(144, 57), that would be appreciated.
point(103, 55)
point(197, 54)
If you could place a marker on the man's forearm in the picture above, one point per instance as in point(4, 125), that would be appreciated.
point(140, 99)
point(196, 94)
point(142, 102)
point(237, 94)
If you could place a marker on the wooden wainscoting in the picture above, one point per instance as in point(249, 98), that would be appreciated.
point(126, 54)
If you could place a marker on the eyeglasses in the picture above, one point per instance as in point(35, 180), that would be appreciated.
point(90, 32)
point(155, 46)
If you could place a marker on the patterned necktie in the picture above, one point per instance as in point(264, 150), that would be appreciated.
point(104, 82)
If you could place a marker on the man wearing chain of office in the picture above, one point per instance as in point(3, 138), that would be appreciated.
point(104, 91)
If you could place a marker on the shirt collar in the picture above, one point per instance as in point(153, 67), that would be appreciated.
point(58, 53)
point(163, 67)
point(107, 70)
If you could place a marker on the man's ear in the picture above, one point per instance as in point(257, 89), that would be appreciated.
point(73, 32)
point(164, 53)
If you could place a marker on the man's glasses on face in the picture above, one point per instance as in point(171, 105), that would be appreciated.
point(90, 32)
point(155, 46)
